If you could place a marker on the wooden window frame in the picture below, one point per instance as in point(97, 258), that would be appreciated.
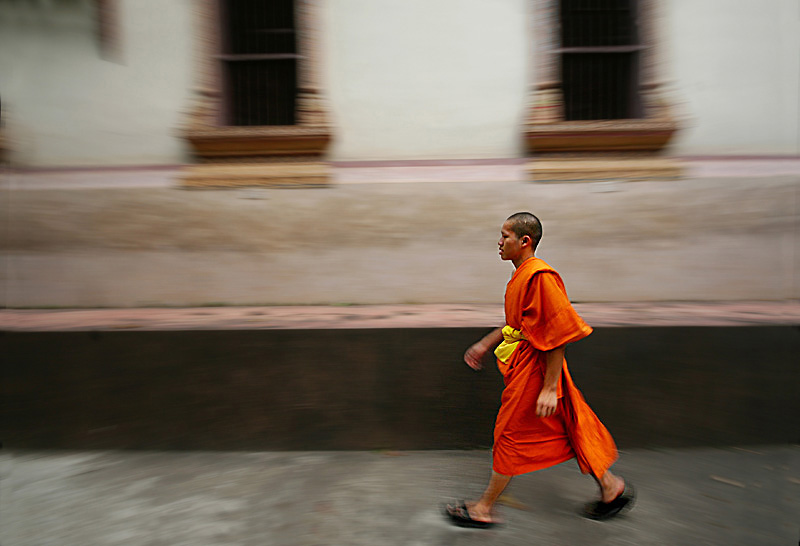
point(212, 140)
point(107, 29)
point(547, 131)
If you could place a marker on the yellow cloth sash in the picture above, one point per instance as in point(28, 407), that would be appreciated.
point(511, 338)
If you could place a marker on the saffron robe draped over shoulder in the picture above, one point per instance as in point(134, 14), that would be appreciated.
point(539, 312)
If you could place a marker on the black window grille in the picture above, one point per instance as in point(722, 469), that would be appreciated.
point(259, 62)
point(600, 59)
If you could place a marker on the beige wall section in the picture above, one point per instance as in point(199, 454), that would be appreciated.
point(730, 238)
point(417, 79)
point(736, 68)
point(68, 106)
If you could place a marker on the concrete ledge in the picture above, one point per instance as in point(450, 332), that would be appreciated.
point(293, 174)
point(391, 316)
point(407, 171)
point(585, 169)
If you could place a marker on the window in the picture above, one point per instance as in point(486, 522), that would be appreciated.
point(259, 62)
point(597, 92)
point(599, 59)
point(259, 114)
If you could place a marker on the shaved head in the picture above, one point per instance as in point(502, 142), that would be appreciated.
point(525, 223)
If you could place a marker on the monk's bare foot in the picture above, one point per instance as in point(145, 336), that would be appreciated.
point(479, 512)
point(616, 497)
point(612, 487)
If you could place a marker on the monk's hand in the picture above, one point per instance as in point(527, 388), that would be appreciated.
point(546, 405)
point(474, 356)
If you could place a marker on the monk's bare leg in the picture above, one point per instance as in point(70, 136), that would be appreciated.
point(482, 510)
point(611, 486)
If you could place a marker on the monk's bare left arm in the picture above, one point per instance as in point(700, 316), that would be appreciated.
point(548, 398)
point(474, 355)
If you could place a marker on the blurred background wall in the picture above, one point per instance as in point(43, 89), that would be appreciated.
point(416, 80)
point(405, 80)
point(411, 80)
point(736, 67)
point(65, 104)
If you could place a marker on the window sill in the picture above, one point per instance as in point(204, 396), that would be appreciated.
point(599, 135)
point(278, 140)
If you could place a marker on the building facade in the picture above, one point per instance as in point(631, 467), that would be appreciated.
point(112, 108)
point(115, 82)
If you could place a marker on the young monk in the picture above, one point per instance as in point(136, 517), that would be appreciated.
point(543, 419)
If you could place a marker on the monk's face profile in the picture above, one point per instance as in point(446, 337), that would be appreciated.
point(513, 247)
point(510, 245)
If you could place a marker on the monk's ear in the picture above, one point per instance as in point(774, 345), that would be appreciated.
point(523, 240)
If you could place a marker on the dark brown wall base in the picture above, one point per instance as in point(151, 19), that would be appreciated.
point(380, 389)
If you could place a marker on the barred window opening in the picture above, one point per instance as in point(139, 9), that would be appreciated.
point(259, 62)
point(600, 59)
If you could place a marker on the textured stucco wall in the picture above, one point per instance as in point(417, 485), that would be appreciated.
point(65, 105)
point(734, 68)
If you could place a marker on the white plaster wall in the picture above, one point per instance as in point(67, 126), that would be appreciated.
point(735, 65)
point(422, 79)
point(65, 105)
point(406, 79)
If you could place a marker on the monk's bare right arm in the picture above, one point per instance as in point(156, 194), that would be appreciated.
point(474, 355)
point(548, 398)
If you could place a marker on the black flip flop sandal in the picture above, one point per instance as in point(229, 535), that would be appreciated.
point(599, 510)
point(459, 515)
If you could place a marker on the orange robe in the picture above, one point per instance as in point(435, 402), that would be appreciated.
point(536, 304)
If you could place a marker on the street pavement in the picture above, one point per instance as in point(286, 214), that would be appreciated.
point(737, 495)
point(721, 496)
